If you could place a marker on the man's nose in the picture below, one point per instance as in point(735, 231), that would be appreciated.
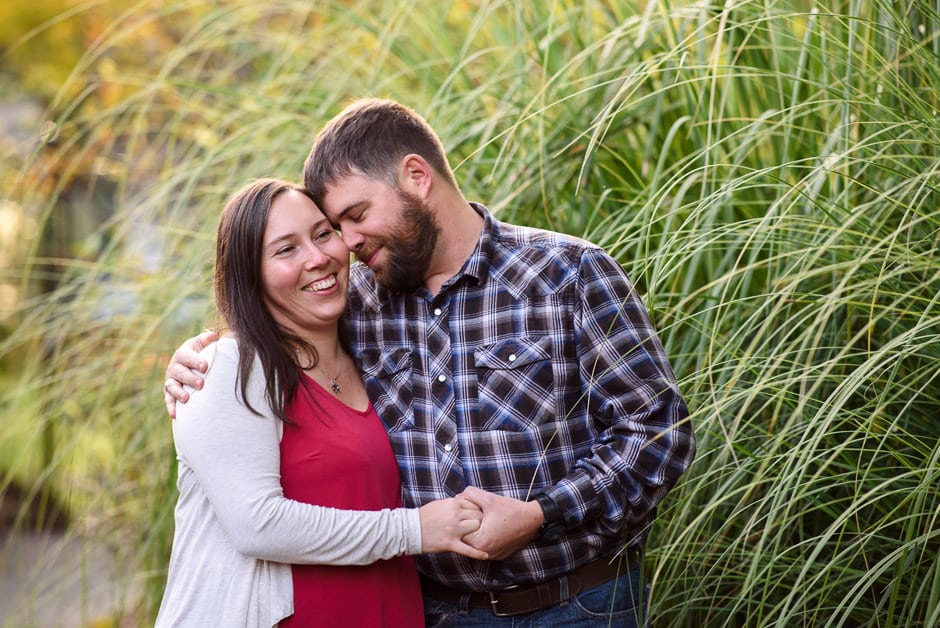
point(352, 240)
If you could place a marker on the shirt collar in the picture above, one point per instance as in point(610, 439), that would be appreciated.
point(477, 265)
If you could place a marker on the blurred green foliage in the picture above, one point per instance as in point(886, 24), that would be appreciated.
point(41, 42)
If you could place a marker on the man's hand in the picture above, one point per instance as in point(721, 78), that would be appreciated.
point(185, 368)
point(445, 522)
point(508, 524)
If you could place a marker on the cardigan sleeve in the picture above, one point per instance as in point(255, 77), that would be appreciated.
point(235, 457)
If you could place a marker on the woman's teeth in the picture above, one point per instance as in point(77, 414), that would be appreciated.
point(322, 284)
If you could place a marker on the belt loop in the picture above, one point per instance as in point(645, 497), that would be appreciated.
point(563, 590)
point(463, 605)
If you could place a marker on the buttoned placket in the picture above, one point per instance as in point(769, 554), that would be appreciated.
point(441, 384)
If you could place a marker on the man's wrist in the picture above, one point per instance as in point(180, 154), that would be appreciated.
point(553, 526)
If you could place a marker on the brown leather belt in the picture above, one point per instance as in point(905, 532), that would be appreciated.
point(522, 599)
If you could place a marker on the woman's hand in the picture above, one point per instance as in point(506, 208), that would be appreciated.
point(445, 522)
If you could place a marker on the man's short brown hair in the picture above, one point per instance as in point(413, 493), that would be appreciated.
point(370, 137)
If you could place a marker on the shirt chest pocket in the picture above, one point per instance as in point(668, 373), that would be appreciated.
point(387, 377)
point(515, 384)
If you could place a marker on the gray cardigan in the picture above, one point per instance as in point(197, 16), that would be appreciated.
point(235, 530)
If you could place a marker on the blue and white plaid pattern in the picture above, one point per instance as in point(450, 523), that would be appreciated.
point(535, 368)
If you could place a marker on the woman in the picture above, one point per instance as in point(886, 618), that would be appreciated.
point(284, 422)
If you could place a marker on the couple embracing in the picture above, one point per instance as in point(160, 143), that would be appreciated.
point(483, 404)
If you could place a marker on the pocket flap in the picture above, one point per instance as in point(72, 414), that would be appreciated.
point(383, 364)
point(512, 353)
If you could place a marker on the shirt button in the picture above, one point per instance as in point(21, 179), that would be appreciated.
point(437, 311)
point(448, 447)
point(512, 357)
point(442, 378)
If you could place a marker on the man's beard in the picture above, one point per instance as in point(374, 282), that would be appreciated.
point(409, 246)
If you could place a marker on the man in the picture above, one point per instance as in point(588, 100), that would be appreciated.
point(516, 366)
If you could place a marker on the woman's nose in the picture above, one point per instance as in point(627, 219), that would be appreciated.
point(314, 256)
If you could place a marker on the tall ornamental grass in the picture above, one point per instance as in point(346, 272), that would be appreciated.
point(766, 171)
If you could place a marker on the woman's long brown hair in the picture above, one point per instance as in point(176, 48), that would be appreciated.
point(238, 295)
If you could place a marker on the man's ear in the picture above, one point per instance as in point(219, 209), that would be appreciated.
point(415, 175)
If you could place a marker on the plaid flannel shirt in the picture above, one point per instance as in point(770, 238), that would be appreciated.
point(534, 369)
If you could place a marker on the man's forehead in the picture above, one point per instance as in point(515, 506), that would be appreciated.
point(333, 201)
point(341, 185)
point(353, 188)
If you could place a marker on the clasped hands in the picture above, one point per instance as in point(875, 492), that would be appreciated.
point(479, 524)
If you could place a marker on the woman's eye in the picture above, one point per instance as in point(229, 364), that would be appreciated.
point(284, 250)
point(325, 235)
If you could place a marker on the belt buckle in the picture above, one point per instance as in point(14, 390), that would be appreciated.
point(494, 603)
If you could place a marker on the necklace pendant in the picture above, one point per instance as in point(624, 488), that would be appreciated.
point(335, 387)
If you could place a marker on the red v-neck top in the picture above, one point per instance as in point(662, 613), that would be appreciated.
point(336, 456)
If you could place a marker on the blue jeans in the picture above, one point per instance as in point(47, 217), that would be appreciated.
point(620, 602)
